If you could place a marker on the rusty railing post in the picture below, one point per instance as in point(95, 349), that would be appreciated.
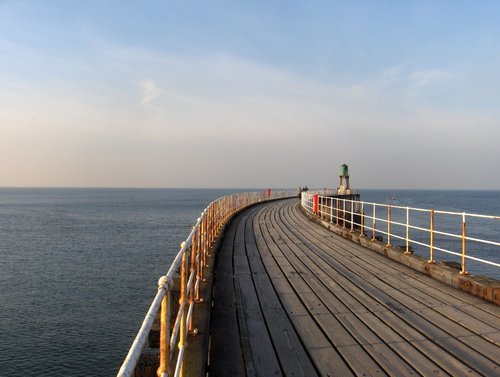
point(165, 366)
point(431, 241)
point(192, 271)
point(463, 271)
point(183, 301)
point(198, 262)
point(203, 245)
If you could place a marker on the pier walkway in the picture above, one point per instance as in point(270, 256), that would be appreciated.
point(292, 298)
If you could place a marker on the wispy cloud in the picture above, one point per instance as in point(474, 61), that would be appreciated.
point(420, 81)
point(149, 92)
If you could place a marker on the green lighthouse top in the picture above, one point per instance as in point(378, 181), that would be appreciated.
point(344, 170)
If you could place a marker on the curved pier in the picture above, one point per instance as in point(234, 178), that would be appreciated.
point(292, 298)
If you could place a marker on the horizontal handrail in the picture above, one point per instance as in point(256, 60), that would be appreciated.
point(190, 261)
point(352, 213)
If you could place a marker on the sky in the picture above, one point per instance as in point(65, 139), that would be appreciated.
point(240, 94)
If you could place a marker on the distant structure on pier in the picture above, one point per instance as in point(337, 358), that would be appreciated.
point(344, 188)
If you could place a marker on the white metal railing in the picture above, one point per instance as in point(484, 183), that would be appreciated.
point(400, 223)
point(191, 261)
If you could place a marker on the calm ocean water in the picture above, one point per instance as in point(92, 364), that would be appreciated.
point(79, 267)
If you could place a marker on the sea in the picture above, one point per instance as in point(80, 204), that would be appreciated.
point(79, 267)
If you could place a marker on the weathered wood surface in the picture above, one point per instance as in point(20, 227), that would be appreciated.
point(292, 298)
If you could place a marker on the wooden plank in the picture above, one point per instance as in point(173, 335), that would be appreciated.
point(226, 358)
point(325, 358)
point(293, 358)
point(240, 261)
point(246, 347)
point(261, 352)
point(352, 352)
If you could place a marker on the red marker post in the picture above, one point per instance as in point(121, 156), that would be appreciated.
point(315, 203)
point(268, 193)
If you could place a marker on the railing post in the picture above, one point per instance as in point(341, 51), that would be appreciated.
point(192, 271)
point(216, 217)
point(374, 224)
point(214, 226)
point(164, 368)
point(210, 224)
point(343, 213)
point(463, 271)
point(337, 210)
point(207, 238)
point(183, 301)
point(352, 215)
point(407, 240)
point(206, 241)
point(431, 242)
point(362, 220)
point(199, 260)
point(202, 245)
point(388, 226)
point(330, 210)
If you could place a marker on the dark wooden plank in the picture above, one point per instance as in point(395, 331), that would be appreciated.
point(293, 358)
point(226, 358)
point(240, 262)
point(325, 358)
point(261, 352)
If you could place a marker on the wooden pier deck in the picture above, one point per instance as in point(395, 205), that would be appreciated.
point(292, 298)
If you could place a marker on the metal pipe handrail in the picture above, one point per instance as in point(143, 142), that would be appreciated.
point(458, 236)
point(342, 212)
point(128, 366)
point(200, 242)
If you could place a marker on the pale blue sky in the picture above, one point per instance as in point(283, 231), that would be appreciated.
point(250, 94)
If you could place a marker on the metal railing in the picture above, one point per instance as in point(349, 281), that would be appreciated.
point(191, 261)
point(402, 223)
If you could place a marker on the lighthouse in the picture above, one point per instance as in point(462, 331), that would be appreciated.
point(344, 188)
